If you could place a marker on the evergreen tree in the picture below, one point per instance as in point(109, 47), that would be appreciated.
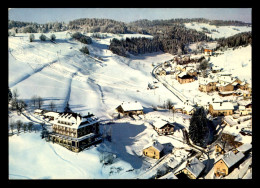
point(198, 127)
point(31, 37)
point(53, 37)
point(42, 37)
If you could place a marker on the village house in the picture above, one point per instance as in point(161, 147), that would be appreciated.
point(227, 162)
point(222, 147)
point(75, 132)
point(163, 127)
point(189, 110)
point(130, 108)
point(245, 148)
point(221, 108)
point(243, 111)
point(177, 109)
point(222, 87)
point(207, 85)
point(153, 150)
point(208, 51)
point(216, 69)
point(191, 169)
point(184, 78)
point(161, 72)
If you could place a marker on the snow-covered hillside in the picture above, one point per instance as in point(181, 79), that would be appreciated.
point(61, 73)
point(220, 31)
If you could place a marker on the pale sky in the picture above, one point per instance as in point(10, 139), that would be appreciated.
point(44, 15)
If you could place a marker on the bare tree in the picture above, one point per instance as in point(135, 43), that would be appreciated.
point(34, 100)
point(30, 125)
point(24, 127)
point(39, 102)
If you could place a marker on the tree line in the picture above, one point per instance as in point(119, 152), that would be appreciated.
point(240, 39)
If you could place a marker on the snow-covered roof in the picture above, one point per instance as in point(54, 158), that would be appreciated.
point(182, 74)
point(216, 100)
point(130, 106)
point(223, 106)
point(169, 175)
point(195, 167)
point(75, 120)
point(37, 111)
point(160, 123)
point(241, 107)
point(230, 158)
point(230, 120)
point(245, 147)
point(155, 144)
point(54, 114)
point(188, 108)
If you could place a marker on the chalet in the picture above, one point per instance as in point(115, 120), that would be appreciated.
point(169, 175)
point(184, 78)
point(207, 85)
point(224, 164)
point(245, 148)
point(75, 132)
point(208, 51)
point(192, 169)
point(163, 127)
point(130, 108)
point(38, 111)
point(222, 108)
point(153, 150)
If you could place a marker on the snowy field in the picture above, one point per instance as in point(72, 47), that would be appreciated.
point(60, 73)
point(221, 31)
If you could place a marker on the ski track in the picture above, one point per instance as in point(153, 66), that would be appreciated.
point(29, 75)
